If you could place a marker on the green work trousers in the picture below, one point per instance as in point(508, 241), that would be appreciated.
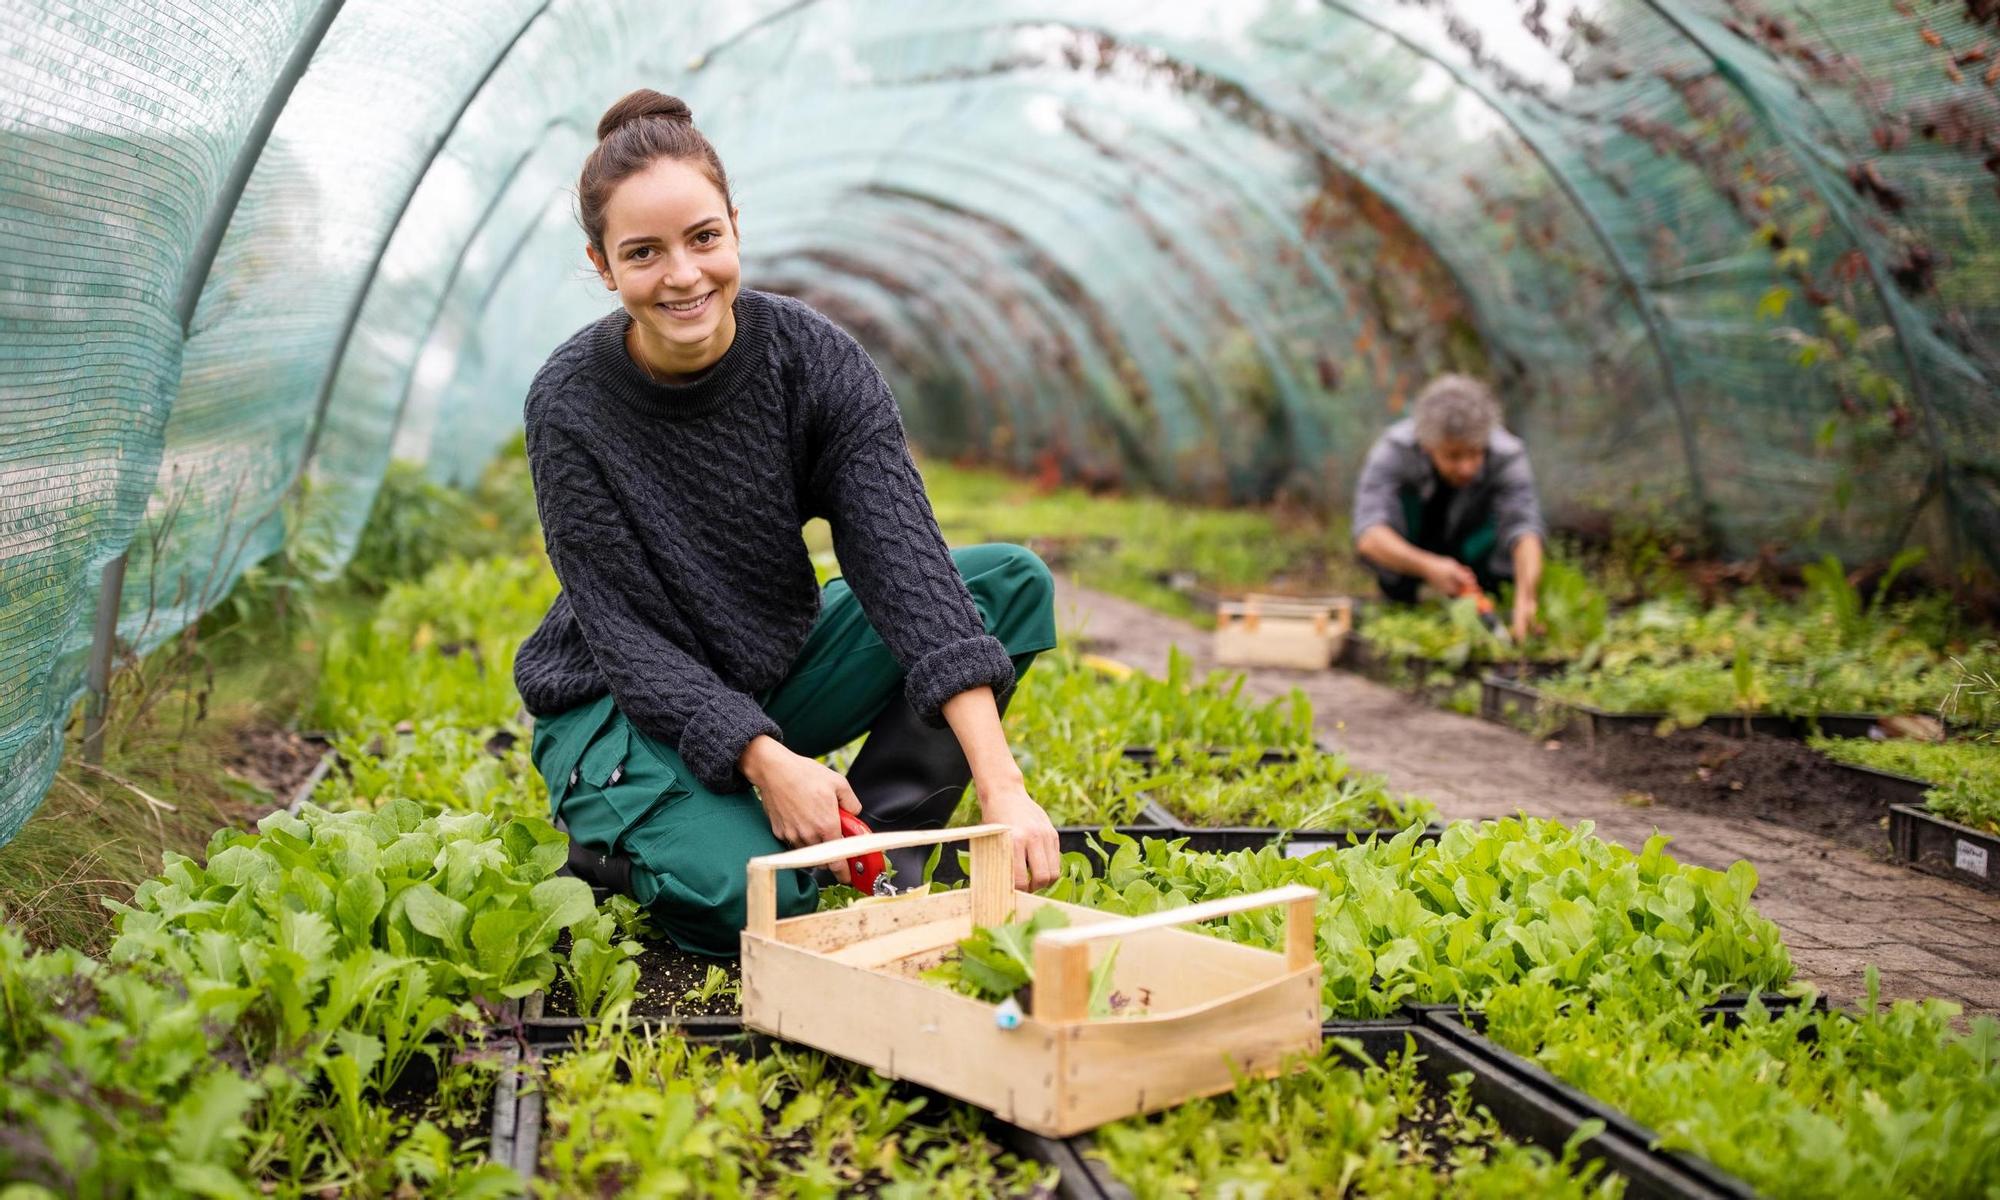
point(622, 792)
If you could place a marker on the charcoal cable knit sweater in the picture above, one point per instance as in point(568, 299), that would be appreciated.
point(672, 516)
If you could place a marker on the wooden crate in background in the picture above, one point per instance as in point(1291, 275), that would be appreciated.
point(1279, 631)
point(847, 982)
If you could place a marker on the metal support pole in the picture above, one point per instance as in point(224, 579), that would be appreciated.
point(98, 679)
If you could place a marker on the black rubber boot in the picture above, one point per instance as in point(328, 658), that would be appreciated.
point(908, 775)
point(597, 868)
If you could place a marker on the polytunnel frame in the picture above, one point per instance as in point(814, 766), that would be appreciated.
point(194, 279)
point(1890, 300)
point(1306, 138)
point(478, 229)
point(499, 193)
point(201, 260)
point(1641, 299)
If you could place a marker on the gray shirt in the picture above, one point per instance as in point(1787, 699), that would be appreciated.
point(672, 515)
point(1397, 466)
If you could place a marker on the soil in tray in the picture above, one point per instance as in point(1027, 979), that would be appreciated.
point(1780, 780)
point(414, 1096)
point(666, 974)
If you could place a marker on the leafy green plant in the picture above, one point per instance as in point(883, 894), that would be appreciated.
point(1485, 904)
point(414, 525)
point(126, 1079)
point(713, 986)
point(1572, 612)
point(1310, 791)
point(440, 648)
point(1965, 774)
point(1070, 722)
point(441, 767)
point(1135, 545)
point(1342, 1124)
point(377, 922)
point(1064, 701)
point(1882, 1102)
point(997, 961)
point(600, 967)
point(653, 1114)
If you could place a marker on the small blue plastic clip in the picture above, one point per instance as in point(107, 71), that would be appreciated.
point(1008, 1015)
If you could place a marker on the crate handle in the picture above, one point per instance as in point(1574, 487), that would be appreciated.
point(1062, 956)
point(992, 874)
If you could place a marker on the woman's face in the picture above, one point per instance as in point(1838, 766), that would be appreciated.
point(670, 252)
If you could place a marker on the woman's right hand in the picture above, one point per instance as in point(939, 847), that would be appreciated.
point(802, 797)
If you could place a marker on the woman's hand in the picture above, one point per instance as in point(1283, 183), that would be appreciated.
point(1003, 798)
point(802, 797)
point(1037, 854)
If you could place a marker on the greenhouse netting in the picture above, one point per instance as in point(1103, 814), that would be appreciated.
point(1732, 263)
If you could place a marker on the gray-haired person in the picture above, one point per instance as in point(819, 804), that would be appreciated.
point(1447, 498)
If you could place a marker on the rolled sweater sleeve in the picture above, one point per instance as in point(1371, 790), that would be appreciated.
point(887, 539)
point(610, 585)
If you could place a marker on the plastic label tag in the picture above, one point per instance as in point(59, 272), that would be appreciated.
point(1971, 858)
point(1302, 849)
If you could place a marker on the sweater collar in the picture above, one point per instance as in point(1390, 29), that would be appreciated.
point(712, 389)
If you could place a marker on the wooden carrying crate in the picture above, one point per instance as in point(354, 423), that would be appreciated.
point(846, 982)
point(1272, 631)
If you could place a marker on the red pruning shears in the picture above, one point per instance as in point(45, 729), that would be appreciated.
point(1487, 616)
point(865, 871)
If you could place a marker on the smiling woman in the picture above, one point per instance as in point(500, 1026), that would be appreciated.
point(677, 446)
point(672, 234)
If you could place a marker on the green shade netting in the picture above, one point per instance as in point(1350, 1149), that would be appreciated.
point(1732, 265)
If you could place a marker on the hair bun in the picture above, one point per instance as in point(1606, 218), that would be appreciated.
point(639, 105)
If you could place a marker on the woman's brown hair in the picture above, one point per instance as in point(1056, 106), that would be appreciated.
point(639, 130)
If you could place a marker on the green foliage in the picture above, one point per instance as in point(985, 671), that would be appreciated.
point(415, 525)
point(997, 961)
point(1965, 774)
point(383, 922)
point(1571, 608)
point(1486, 904)
point(714, 986)
point(1687, 691)
point(1129, 545)
point(1341, 1125)
point(132, 1080)
point(1311, 791)
point(1884, 1102)
point(600, 967)
point(655, 1115)
point(1071, 721)
point(440, 648)
point(441, 767)
point(1064, 700)
point(1831, 651)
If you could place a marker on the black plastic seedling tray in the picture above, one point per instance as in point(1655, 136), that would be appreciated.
point(1230, 838)
point(1501, 697)
point(1659, 1173)
point(519, 1145)
point(1522, 1111)
point(1938, 846)
point(1889, 787)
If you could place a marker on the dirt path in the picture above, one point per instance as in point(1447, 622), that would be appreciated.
point(1840, 909)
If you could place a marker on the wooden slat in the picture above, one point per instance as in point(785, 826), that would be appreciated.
point(1186, 914)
